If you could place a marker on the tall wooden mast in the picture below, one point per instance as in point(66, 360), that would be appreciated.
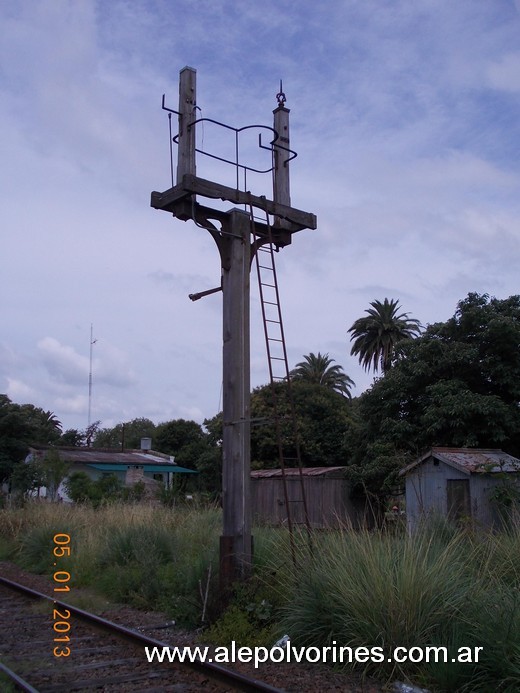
point(232, 233)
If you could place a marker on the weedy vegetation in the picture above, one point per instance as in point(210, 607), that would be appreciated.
point(441, 586)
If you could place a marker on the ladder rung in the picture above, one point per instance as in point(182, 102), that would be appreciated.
point(265, 245)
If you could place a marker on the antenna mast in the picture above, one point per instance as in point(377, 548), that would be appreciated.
point(92, 342)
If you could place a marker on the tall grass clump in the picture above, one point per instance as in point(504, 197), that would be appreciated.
point(161, 559)
point(29, 533)
point(148, 556)
point(368, 589)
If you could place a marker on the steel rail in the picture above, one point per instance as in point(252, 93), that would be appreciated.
point(238, 681)
point(20, 683)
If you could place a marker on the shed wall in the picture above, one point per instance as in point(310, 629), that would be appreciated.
point(426, 490)
point(426, 494)
point(327, 499)
point(484, 512)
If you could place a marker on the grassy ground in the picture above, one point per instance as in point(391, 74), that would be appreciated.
point(440, 587)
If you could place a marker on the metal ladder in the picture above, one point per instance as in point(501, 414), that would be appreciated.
point(289, 453)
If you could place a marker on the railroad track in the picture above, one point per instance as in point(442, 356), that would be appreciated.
point(49, 646)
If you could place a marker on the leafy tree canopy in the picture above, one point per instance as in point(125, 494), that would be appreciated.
point(73, 438)
point(376, 335)
point(130, 433)
point(318, 370)
point(458, 384)
point(20, 426)
point(81, 488)
point(183, 439)
point(322, 420)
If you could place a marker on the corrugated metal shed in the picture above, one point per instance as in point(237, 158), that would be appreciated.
point(327, 494)
point(459, 484)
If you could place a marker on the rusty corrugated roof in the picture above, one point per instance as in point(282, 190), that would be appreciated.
point(107, 456)
point(294, 471)
point(471, 460)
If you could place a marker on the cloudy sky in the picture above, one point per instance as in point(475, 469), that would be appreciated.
point(405, 116)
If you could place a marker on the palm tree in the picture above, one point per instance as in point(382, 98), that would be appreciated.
point(317, 369)
point(376, 336)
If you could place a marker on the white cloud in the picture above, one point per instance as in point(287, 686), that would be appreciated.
point(62, 362)
point(505, 73)
point(65, 365)
point(112, 366)
point(19, 391)
point(405, 119)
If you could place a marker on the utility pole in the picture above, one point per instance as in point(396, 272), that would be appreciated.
point(232, 232)
point(235, 542)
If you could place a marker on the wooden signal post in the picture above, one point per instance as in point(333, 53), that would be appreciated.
point(235, 246)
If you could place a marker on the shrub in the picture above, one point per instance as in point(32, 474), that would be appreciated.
point(36, 550)
point(363, 588)
point(139, 544)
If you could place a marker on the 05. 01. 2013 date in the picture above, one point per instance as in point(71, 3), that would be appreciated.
point(61, 617)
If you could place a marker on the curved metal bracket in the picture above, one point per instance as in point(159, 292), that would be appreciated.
point(272, 144)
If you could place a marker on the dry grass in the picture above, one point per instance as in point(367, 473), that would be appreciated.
point(358, 588)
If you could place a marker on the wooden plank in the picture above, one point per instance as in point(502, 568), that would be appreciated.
point(281, 187)
point(187, 103)
point(191, 185)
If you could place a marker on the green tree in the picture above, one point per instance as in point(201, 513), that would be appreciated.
point(209, 464)
point(376, 335)
point(106, 488)
point(79, 487)
point(44, 425)
point(184, 440)
point(14, 435)
point(54, 471)
point(318, 370)
point(322, 415)
point(90, 432)
point(20, 426)
point(458, 384)
point(129, 434)
point(26, 478)
point(72, 438)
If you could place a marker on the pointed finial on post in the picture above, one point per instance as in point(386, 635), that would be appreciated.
point(281, 152)
point(280, 97)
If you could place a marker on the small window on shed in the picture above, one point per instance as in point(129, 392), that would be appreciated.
point(435, 463)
